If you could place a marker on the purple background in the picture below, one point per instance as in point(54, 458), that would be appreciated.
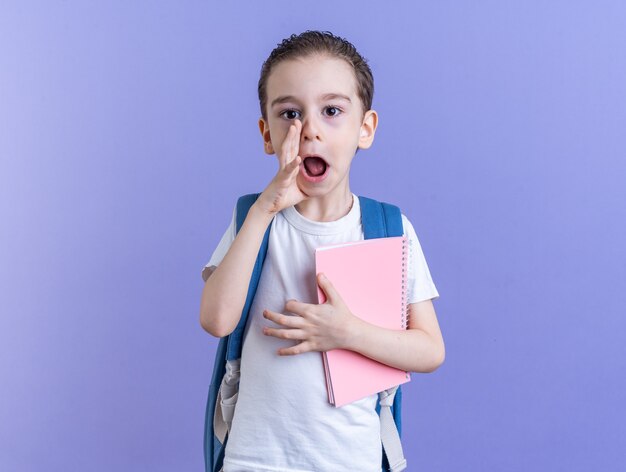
point(127, 130)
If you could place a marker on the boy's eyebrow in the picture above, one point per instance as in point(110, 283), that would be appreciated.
point(328, 96)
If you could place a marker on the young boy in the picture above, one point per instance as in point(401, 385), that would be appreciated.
point(315, 93)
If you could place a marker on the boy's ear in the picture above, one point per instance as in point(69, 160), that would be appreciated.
point(368, 129)
point(267, 139)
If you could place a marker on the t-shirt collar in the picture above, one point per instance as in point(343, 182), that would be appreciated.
point(352, 219)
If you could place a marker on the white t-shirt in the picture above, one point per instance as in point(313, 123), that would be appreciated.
point(283, 420)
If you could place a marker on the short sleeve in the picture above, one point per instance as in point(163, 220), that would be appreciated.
point(420, 283)
point(222, 248)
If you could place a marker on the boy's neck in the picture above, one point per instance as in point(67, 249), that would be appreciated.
point(327, 207)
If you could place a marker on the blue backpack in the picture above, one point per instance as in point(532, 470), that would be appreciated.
point(379, 220)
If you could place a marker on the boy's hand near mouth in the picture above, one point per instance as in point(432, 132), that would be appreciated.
point(283, 191)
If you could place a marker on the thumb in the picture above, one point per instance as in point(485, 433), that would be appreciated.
point(327, 287)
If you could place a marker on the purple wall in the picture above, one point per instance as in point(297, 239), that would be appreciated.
point(127, 130)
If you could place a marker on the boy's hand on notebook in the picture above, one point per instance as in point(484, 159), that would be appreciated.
point(318, 327)
point(283, 190)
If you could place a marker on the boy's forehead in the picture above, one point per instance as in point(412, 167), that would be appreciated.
point(320, 75)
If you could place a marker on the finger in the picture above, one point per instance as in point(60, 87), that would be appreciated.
point(304, 346)
point(283, 320)
point(284, 333)
point(328, 288)
point(285, 156)
point(296, 138)
point(298, 308)
point(293, 167)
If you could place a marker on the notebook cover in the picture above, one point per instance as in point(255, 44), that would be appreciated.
point(370, 276)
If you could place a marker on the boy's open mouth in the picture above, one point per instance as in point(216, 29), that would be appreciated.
point(315, 166)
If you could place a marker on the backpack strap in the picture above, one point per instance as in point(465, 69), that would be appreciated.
point(389, 431)
point(382, 220)
point(235, 339)
point(223, 392)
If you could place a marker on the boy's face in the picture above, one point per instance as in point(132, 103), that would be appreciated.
point(321, 92)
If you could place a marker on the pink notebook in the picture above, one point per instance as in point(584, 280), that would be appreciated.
point(370, 276)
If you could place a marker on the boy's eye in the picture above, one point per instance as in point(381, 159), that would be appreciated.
point(332, 111)
point(290, 114)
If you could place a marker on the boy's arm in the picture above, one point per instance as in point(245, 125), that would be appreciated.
point(332, 326)
point(225, 290)
point(418, 349)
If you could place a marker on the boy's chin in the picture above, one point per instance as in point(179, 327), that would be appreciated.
point(318, 190)
point(312, 189)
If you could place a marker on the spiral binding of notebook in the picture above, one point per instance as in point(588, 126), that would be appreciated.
point(405, 305)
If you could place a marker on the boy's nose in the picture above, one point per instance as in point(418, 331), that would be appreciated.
point(310, 130)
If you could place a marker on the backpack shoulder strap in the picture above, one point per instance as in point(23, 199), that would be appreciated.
point(379, 219)
point(244, 203)
point(229, 349)
point(382, 220)
point(235, 339)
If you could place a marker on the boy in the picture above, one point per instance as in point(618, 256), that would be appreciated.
point(315, 93)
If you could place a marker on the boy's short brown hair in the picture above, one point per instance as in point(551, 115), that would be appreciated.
point(319, 42)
